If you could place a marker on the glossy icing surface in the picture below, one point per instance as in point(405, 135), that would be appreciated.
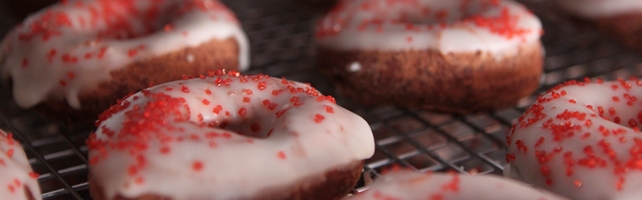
point(601, 8)
point(15, 171)
point(74, 45)
point(446, 26)
point(223, 136)
point(410, 185)
point(582, 140)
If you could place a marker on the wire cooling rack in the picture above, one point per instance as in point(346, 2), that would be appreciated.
point(280, 36)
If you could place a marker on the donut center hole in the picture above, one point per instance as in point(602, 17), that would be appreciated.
point(251, 126)
point(626, 117)
point(122, 20)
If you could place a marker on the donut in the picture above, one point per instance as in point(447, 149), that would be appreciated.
point(621, 19)
point(228, 136)
point(17, 180)
point(582, 140)
point(76, 58)
point(456, 56)
point(408, 184)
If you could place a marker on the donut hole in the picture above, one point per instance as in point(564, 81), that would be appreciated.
point(94, 21)
point(247, 120)
point(161, 109)
point(627, 116)
point(250, 126)
point(123, 20)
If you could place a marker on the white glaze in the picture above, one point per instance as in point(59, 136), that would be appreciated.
point(341, 29)
point(566, 148)
point(238, 166)
point(41, 78)
point(354, 67)
point(15, 171)
point(410, 185)
point(600, 8)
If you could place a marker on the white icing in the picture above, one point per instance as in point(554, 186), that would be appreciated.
point(234, 168)
point(601, 8)
point(354, 67)
point(15, 171)
point(459, 33)
point(566, 152)
point(41, 78)
point(410, 185)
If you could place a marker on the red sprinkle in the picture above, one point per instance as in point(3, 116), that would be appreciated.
point(280, 113)
point(318, 118)
point(281, 155)
point(71, 75)
point(25, 62)
point(217, 109)
point(165, 150)
point(132, 52)
point(242, 112)
point(139, 180)
point(328, 109)
point(197, 166)
point(51, 55)
point(168, 28)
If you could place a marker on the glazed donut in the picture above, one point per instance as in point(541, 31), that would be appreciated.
point(621, 19)
point(455, 56)
point(76, 58)
point(228, 136)
point(581, 140)
point(407, 184)
point(17, 180)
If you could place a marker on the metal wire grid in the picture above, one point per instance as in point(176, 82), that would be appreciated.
point(280, 36)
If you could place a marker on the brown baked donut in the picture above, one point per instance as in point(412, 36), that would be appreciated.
point(621, 19)
point(336, 183)
point(228, 136)
point(407, 184)
point(457, 56)
point(76, 58)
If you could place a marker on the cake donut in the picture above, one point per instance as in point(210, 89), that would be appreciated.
point(408, 184)
point(228, 136)
point(77, 57)
point(618, 18)
point(581, 140)
point(17, 180)
point(456, 56)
